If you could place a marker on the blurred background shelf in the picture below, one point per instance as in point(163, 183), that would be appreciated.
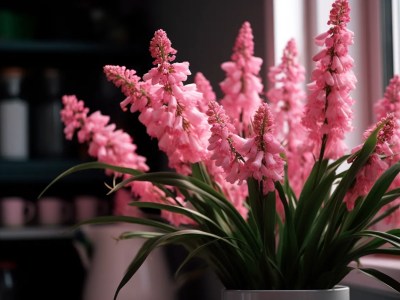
point(68, 54)
point(35, 233)
point(44, 171)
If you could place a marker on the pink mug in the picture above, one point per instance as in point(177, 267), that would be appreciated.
point(53, 211)
point(88, 206)
point(16, 211)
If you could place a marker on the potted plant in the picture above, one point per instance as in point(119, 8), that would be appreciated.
point(263, 189)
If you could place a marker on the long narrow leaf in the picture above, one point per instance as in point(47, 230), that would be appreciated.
point(127, 219)
point(181, 236)
point(372, 204)
point(196, 186)
point(90, 166)
point(382, 277)
point(195, 215)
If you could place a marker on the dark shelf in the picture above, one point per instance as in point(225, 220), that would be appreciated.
point(42, 171)
point(65, 53)
point(64, 47)
point(36, 233)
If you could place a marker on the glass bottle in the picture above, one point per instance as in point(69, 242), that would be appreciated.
point(7, 280)
point(14, 114)
point(48, 138)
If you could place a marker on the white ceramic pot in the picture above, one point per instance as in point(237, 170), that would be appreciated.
point(337, 293)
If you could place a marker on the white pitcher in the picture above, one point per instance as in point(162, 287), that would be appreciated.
point(107, 266)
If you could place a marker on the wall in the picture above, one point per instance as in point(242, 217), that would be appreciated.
point(204, 32)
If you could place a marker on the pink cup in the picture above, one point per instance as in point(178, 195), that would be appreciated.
point(16, 211)
point(87, 207)
point(53, 211)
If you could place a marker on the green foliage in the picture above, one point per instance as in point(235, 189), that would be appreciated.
point(311, 247)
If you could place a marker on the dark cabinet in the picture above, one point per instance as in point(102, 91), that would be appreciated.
point(61, 48)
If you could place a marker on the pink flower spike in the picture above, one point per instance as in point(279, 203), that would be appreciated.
point(161, 49)
point(391, 100)
point(263, 158)
point(204, 87)
point(224, 143)
point(104, 141)
point(126, 79)
point(73, 115)
point(137, 92)
point(328, 113)
point(242, 86)
point(286, 98)
point(377, 163)
point(340, 13)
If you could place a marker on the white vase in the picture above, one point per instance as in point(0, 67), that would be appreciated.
point(337, 293)
point(110, 259)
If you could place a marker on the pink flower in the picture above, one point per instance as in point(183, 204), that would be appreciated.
point(390, 103)
point(204, 87)
point(377, 163)
point(391, 100)
point(174, 117)
point(73, 115)
point(104, 142)
point(136, 92)
point(224, 144)
point(161, 48)
point(328, 112)
point(242, 85)
point(262, 151)
point(286, 100)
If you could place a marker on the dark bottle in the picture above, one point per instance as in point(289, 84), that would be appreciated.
point(14, 114)
point(48, 138)
point(7, 280)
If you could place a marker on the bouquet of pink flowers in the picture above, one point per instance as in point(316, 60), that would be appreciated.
point(256, 186)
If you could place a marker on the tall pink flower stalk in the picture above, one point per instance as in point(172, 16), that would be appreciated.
point(328, 113)
point(115, 147)
point(204, 87)
point(242, 86)
point(286, 99)
point(257, 156)
point(224, 144)
point(168, 108)
point(262, 151)
point(377, 163)
point(105, 142)
point(390, 103)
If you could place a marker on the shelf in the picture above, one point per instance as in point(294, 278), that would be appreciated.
point(64, 47)
point(65, 53)
point(35, 233)
point(44, 171)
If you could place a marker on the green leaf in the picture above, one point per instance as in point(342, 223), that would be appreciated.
point(127, 219)
point(384, 278)
point(269, 220)
point(194, 215)
point(89, 166)
point(372, 202)
point(217, 201)
point(192, 254)
point(307, 213)
point(139, 234)
point(199, 171)
point(371, 246)
point(181, 236)
point(385, 236)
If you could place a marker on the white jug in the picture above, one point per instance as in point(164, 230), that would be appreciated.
point(107, 266)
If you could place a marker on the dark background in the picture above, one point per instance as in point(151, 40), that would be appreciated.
point(77, 38)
